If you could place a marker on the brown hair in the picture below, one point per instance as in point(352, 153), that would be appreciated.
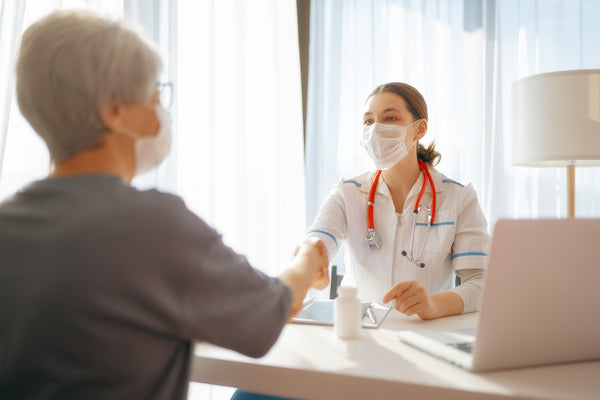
point(418, 108)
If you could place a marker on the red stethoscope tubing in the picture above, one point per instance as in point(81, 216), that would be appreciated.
point(372, 199)
point(426, 178)
point(425, 169)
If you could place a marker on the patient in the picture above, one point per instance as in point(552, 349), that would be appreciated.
point(104, 288)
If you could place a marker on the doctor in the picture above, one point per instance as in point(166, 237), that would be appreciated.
point(391, 255)
point(408, 228)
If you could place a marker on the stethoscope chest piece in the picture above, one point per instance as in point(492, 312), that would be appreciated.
point(372, 239)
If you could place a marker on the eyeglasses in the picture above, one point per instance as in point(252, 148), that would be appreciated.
point(165, 94)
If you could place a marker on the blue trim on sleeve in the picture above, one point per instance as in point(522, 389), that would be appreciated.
point(469, 253)
point(451, 181)
point(325, 233)
point(353, 181)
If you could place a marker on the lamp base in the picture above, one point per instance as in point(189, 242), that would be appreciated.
point(570, 191)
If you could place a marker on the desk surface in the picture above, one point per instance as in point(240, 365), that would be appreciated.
point(309, 362)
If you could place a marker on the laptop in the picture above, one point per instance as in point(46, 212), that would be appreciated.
point(541, 303)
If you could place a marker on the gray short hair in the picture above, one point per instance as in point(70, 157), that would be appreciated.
point(71, 63)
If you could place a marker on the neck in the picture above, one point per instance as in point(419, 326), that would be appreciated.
point(401, 178)
point(110, 156)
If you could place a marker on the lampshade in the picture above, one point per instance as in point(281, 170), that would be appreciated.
point(556, 119)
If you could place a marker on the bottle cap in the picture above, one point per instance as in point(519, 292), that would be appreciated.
point(347, 291)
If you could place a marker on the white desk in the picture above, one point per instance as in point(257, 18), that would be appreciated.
point(309, 362)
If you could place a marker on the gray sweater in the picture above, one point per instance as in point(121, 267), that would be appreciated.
point(105, 288)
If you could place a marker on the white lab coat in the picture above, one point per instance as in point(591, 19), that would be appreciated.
point(458, 240)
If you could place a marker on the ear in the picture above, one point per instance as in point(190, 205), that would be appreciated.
point(421, 129)
point(112, 115)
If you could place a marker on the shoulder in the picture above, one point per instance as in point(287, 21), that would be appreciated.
point(166, 209)
point(155, 199)
point(459, 193)
point(361, 182)
point(149, 213)
point(445, 182)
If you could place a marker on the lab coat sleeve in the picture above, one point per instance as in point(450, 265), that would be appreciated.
point(330, 224)
point(470, 250)
point(471, 241)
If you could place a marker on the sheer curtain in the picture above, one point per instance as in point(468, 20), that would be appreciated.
point(23, 155)
point(463, 56)
point(237, 157)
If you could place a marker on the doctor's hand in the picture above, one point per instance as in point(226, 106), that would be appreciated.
point(412, 298)
point(308, 269)
point(321, 262)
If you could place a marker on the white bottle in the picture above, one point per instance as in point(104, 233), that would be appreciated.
point(346, 313)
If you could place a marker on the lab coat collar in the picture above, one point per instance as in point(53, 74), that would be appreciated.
point(366, 180)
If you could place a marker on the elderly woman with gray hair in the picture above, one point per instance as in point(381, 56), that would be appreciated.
point(104, 288)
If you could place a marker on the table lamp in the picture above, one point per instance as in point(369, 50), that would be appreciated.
point(556, 123)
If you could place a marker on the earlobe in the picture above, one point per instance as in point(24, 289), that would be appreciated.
point(110, 115)
point(422, 129)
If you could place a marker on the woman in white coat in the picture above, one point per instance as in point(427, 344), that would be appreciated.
point(392, 251)
point(421, 283)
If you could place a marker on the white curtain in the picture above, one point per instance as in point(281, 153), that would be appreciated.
point(463, 56)
point(239, 112)
point(23, 155)
point(237, 157)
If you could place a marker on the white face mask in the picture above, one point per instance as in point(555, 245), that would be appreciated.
point(150, 151)
point(385, 144)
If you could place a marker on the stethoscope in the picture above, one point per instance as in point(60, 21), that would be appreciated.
point(373, 240)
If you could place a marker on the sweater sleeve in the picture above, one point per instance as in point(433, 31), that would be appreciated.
point(223, 299)
point(471, 288)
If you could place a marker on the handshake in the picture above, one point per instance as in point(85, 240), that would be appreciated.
point(317, 259)
point(309, 269)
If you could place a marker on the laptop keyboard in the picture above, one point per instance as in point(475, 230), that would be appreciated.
point(467, 347)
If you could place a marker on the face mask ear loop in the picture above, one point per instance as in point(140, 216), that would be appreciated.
point(129, 133)
point(416, 141)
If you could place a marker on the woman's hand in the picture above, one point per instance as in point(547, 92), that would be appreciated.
point(321, 260)
point(412, 298)
point(308, 269)
point(321, 280)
